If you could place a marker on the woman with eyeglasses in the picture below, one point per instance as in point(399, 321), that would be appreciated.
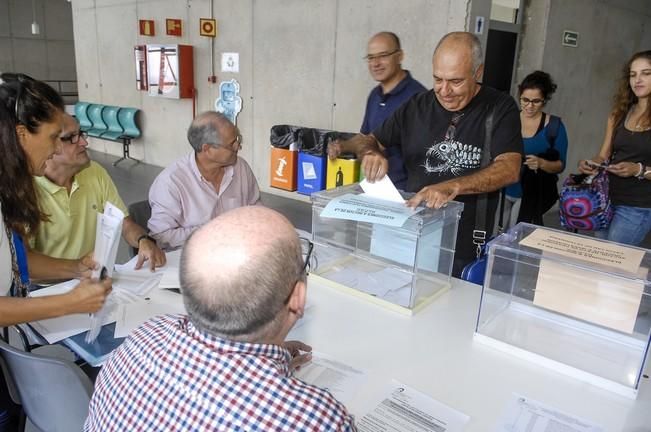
point(30, 123)
point(545, 147)
point(626, 154)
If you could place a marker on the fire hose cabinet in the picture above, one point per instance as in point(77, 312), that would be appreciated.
point(170, 71)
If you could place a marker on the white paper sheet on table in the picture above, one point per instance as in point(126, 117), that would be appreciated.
point(56, 329)
point(378, 283)
point(169, 272)
point(158, 302)
point(382, 189)
point(404, 409)
point(527, 415)
point(341, 380)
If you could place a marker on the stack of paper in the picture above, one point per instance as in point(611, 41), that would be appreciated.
point(107, 239)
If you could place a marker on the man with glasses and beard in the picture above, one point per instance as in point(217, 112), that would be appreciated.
point(71, 192)
point(441, 134)
point(395, 87)
point(226, 365)
point(205, 183)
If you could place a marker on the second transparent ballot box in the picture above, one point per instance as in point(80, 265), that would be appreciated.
point(403, 266)
point(576, 304)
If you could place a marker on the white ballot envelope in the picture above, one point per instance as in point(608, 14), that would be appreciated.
point(382, 189)
point(107, 240)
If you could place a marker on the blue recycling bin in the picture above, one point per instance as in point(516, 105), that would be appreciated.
point(311, 173)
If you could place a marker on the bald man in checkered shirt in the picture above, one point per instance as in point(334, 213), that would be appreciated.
point(226, 366)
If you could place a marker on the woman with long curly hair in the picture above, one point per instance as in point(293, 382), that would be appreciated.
point(627, 150)
point(30, 123)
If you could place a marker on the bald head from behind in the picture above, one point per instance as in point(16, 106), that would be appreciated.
point(242, 278)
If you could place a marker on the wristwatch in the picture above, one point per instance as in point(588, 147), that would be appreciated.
point(146, 236)
point(646, 172)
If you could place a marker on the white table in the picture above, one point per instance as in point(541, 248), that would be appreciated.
point(434, 352)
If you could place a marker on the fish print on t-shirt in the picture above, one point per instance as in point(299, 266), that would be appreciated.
point(451, 156)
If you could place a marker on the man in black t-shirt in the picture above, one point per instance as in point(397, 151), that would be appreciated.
point(442, 133)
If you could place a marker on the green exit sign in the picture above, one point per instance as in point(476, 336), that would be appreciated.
point(571, 38)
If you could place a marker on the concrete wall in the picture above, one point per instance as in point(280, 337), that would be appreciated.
point(46, 56)
point(300, 62)
point(609, 33)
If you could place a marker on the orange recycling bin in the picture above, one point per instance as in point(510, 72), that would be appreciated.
point(282, 169)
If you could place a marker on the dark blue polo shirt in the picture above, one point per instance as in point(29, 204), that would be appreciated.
point(378, 107)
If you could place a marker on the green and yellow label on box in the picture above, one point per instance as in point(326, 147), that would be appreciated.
point(342, 172)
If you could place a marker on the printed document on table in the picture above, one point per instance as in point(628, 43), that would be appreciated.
point(388, 283)
point(341, 380)
point(159, 302)
point(383, 189)
point(527, 415)
point(404, 409)
point(169, 272)
point(364, 208)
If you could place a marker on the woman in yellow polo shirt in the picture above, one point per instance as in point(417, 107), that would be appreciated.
point(30, 123)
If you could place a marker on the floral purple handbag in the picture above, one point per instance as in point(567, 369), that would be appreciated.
point(584, 202)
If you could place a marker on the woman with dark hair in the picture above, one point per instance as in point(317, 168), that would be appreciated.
point(30, 123)
point(627, 151)
point(545, 146)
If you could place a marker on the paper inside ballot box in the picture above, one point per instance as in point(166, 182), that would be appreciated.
point(593, 296)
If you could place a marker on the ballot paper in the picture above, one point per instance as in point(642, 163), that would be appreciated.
point(54, 330)
point(169, 273)
point(341, 380)
point(107, 239)
point(365, 208)
point(404, 409)
point(527, 415)
point(382, 189)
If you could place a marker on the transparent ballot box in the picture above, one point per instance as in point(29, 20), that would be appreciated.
point(403, 265)
point(579, 305)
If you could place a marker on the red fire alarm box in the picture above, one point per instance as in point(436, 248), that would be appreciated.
point(170, 71)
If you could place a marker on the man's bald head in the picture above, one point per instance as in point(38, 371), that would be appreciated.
point(392, 40)
point(457, 69)
point(461, 43)
point(238, 270)
point(208, 128)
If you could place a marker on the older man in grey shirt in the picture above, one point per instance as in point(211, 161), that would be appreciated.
point(203, 184)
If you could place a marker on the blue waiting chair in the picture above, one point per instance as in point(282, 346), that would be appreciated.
point(114, 130)
point(95, 116)
point(81, 113)
point(127, 119)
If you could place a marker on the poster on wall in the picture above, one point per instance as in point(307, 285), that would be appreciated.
point(140, 54)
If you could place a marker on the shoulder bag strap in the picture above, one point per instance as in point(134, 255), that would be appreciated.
point(552, 129)
point(481, 215)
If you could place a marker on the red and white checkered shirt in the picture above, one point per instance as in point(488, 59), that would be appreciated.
point(169, 376)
